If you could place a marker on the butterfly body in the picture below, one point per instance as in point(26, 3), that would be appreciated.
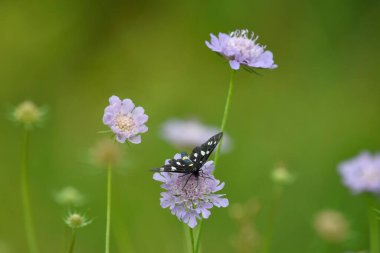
point(192, 164)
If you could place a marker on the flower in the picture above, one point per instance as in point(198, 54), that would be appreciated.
point(190, 133)
point(125, 120)
point(362, 173)
point(28, 114)
point(76, 220)
point(190, 198)
point(280, 175)
point(240, 49)
point(106, 152)
point(69, 196)
point(331, 226)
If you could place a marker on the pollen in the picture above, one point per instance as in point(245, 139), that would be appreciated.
point(125, 123)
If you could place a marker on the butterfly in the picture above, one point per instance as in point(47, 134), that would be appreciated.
point(191, 165)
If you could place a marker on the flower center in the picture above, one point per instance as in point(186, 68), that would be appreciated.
point(243, 45)
point(125, 123)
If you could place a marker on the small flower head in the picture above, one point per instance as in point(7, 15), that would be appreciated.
point(28, 114)
point(186, 134)
point(246, 212)
point(76, 220)
point(69, 196)
point(191, 198)
point(240, 48)
point(281, 176)
point(106, 152)
point(362, 173)
point(125, 120)
point(331, 226)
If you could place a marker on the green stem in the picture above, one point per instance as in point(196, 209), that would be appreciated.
point(277, 193)
point(374, 233)
point(108, 224)
point(222, 128)
point(29, 229)
point(225, 114)
point(192, 240)
point(73, 240)
point(198, 239)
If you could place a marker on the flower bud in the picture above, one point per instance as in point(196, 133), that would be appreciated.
point(106, 152)
point(76, 220)
point(27, 113)
point(281, 175)
point(69, 196)
point(331, 226)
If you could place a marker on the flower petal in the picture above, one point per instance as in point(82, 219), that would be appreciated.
point(127, 106)
point(234, 65)
point(141, 119)
point(114, 100)
point(135, 139)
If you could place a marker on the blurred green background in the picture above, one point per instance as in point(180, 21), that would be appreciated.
point(321, 106)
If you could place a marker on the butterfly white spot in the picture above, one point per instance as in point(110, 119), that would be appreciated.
point(178, 163)
point(214, 142)
point(207, 152)
point(196, 154)
point(209, 143)
point(203, 153)
point(200, 161)
point(195, 160)
point(174, 168)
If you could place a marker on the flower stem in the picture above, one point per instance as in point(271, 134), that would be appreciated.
point(276, 199)
point(29, 228)
point(198, 237)
point(222, 128)
point(373, 228)
point(73, 240)
point(108, 224)
point(192, 240)
point(225, 114)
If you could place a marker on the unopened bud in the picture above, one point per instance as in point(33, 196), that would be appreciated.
point(76, 220)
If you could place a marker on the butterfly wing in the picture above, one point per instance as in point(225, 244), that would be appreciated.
point(175, 166)
point(201, 153)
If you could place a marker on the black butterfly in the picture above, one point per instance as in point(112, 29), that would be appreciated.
point(191, 165)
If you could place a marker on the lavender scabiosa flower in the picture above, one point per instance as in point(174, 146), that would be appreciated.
point(125, 120)
point(191, 198)
point(189, 133)
point(239, 48)
point(362, 173)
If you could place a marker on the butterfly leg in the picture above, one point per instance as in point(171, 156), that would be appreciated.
point(203, 175)
point(187, 179)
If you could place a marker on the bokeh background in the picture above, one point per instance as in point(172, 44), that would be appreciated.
point(321, 106)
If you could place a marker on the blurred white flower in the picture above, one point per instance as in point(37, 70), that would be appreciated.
point(282, 176)
point(106, 152)
point(187, 134)
point(69, 196)
point(331, 226)
point(28, 114)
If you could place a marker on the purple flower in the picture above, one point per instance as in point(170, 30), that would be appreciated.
point(192, 200)
point(190, 133)
point(125, 120)
point(362, 173)
point(239, 49)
